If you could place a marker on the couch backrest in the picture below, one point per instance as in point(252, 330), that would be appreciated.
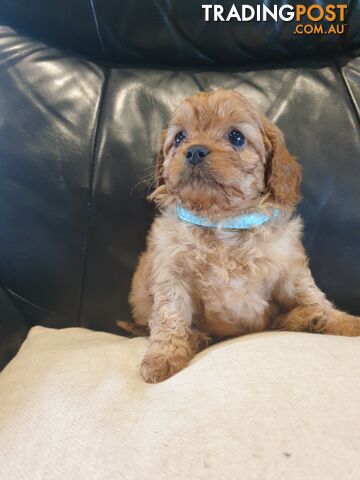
point(174, 32)
point(79, 137)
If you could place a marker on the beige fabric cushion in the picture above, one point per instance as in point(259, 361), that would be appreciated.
point(265, 406)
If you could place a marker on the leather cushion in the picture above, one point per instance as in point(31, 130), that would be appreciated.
point(78, 140)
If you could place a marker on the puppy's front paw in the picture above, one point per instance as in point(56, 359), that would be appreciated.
point(155, 368)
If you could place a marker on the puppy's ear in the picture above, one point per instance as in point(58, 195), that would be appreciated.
point(283, 173)
point(159, 165)
point(159, 195)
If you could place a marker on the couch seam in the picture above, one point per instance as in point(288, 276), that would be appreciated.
point(97, 26)
point(348, 90)
point(10, 293)
point(90, 202)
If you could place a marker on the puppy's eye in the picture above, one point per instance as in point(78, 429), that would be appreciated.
point(179, 137)
point(236, 138)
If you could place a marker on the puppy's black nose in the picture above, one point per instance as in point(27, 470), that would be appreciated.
point(196, 154)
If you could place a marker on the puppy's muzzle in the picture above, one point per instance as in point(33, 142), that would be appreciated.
point(196, 154)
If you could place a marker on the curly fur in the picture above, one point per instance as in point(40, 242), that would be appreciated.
point(195, 285)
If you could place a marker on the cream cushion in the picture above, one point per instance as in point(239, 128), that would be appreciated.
point(264, 406)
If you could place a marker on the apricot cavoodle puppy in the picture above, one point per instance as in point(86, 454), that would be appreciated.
point(224, 257)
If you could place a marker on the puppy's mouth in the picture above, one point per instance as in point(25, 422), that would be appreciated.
point(198, 175)
point(210, 187)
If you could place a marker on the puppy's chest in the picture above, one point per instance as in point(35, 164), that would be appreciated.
point(230, 271)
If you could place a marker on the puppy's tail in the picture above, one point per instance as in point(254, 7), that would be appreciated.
point(133, 328)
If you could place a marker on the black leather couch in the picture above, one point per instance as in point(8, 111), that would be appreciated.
point(85, 89)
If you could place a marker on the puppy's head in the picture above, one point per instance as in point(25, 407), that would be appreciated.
point(220, 156)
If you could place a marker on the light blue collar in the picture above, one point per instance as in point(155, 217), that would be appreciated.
point(241, 222)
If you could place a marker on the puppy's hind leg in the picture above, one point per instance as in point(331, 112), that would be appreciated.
point(133, 328)
point(140, 299)
point(316, 319)
point(308, 308)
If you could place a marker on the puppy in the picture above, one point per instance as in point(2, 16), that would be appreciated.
point(224, 257)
